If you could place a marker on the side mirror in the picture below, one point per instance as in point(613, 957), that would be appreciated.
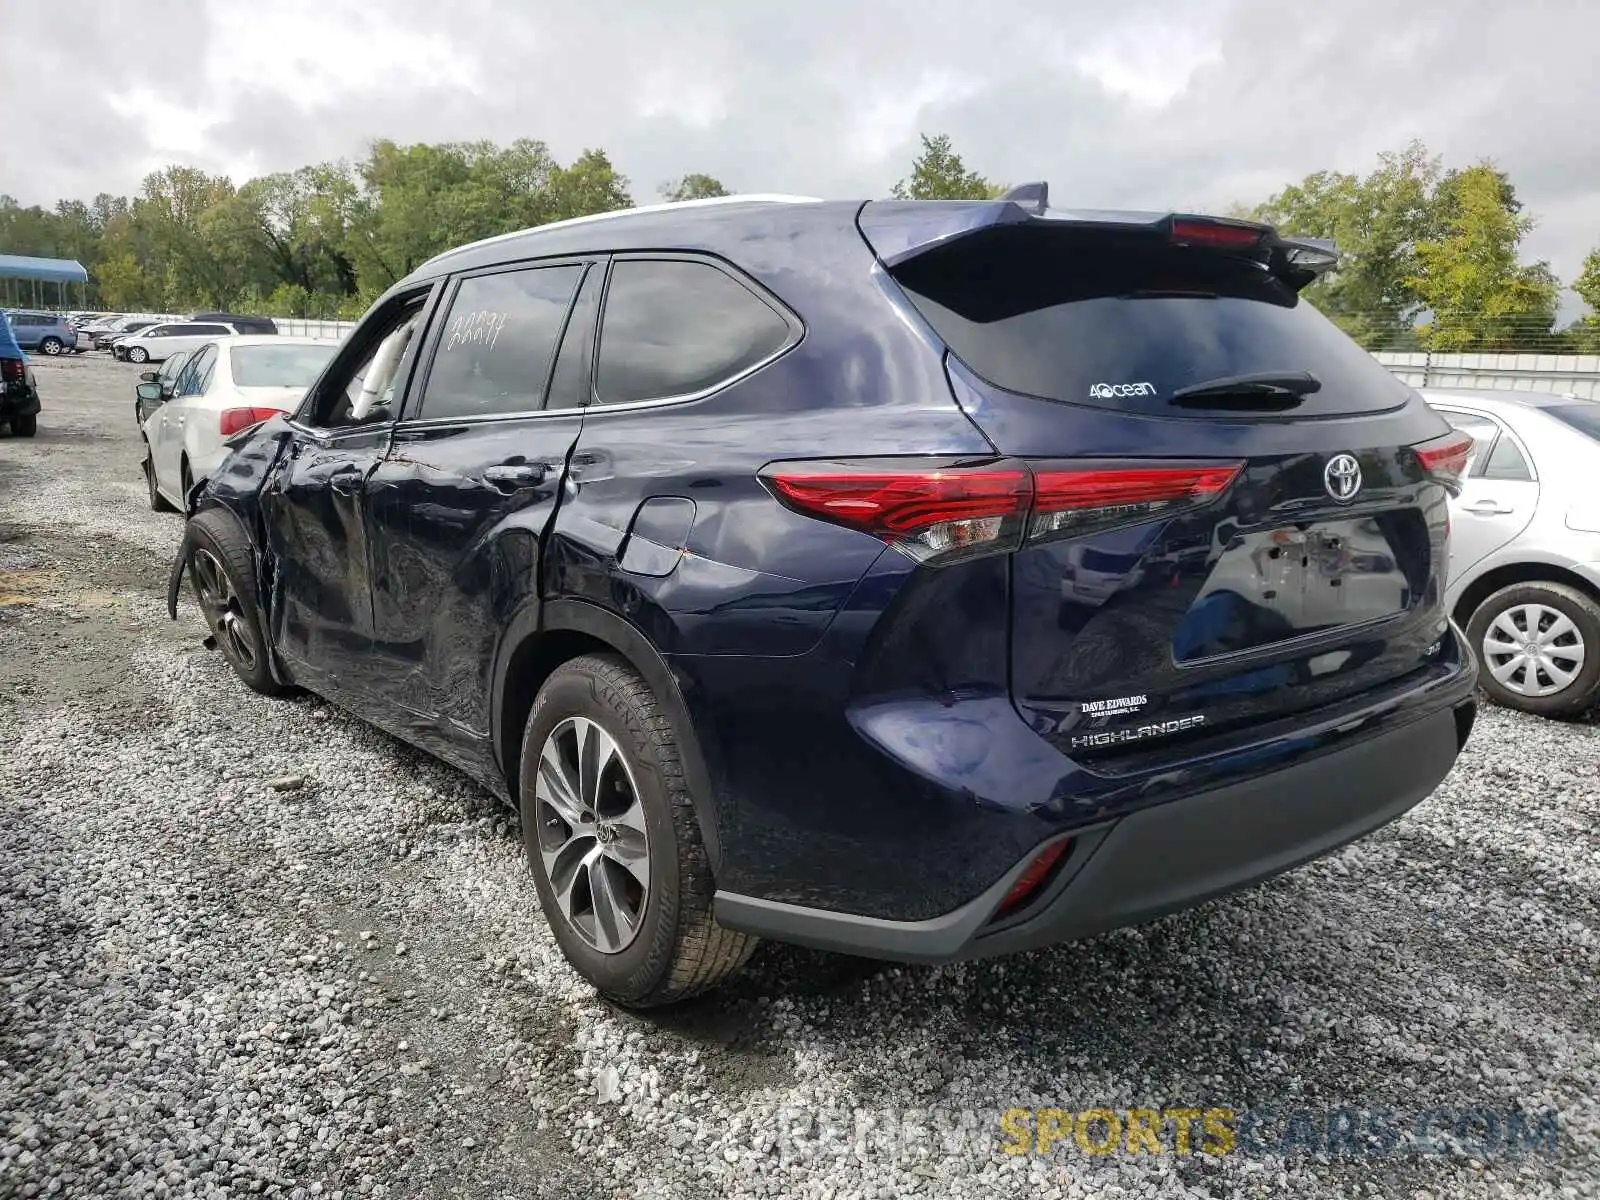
point(148, 376)
point(150, 391)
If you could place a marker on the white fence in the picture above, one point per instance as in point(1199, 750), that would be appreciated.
point(1572, 374)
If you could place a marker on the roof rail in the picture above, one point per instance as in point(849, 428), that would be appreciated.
point(707, 202)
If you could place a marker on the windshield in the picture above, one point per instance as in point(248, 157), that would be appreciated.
point(1125, 326)
point(1585, 418)
point(279, 366)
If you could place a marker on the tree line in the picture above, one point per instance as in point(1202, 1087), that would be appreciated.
point(321, 241)
point(1431, 255)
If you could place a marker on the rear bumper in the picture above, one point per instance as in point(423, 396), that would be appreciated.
point(18, 403)
point(1157, 860)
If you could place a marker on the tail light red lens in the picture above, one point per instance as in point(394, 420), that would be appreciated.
point(928, 508)
point(233, 420)
point(11, 370)
point(1074, 500)
point(938, 510)
point(1445, 458)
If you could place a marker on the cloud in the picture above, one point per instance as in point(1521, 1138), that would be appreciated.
point(1141, 103)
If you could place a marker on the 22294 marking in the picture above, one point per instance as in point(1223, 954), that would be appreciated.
point(480, 328)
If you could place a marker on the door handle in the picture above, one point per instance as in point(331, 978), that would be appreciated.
point(1490, 508)
point(346, 481)
point(510, 477)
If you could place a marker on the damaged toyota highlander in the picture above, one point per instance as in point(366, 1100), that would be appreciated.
point(733, 543)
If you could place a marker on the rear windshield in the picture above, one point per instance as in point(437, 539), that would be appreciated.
point(279, 366)
point(1077, 319)
point(1585, 418)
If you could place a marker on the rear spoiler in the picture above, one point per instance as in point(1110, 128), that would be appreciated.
point(900, 230)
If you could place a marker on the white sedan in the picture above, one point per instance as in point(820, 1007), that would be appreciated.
point(226, 386)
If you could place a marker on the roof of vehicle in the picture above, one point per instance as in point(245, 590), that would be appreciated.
point(264, 339)
point(689, 223)
point(1486, 396)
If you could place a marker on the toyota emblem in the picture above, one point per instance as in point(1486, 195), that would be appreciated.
point(1342, 477)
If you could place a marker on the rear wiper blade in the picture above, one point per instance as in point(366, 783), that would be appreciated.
point(1262, 389)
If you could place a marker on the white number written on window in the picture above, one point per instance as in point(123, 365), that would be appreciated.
point(480, 328)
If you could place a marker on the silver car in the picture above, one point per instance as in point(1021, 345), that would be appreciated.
point(1524, 573)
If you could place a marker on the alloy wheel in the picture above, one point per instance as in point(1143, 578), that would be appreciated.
point(1533, 650)
point(222, 608)
point(592, 835)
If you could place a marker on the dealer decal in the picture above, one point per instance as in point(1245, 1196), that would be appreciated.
point(1116, 707)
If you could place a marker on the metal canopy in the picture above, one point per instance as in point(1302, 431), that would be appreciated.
point(43, 270)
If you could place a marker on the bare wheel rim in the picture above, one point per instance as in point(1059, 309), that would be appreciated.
point(222, 608)
point(1533, 650)
point(593, 840)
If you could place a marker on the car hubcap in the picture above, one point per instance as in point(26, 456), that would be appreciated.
point(222, 609)
point(592, 836)
point(50, 348)
point(1533, 650)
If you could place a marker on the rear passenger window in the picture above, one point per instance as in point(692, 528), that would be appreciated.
point(497, 342)
point(675, 328)
point(1507, 462)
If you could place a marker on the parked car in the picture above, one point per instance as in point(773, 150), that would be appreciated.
point(166, 381)
point(224, 387)
point(126, 327)
point(256, 325)
point(48, 333)
point(1525, 546)
point(157, 342)
point(726, 539)
point(19, 390)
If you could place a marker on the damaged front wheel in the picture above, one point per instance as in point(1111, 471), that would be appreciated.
point(222, 577)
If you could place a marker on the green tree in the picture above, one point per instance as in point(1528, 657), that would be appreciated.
point(939, 174)
point(1583, 335)
point(1480, 296)
point(692, 187)
point(1377, 220)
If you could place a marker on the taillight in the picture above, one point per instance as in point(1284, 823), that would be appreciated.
point(233, 420)
point(929, 509)
point(938, 510)
point(11, 370)
point(1070, 500)
point(1226, 235)
point(1445, 458)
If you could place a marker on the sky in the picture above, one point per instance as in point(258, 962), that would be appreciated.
point(1151, 104)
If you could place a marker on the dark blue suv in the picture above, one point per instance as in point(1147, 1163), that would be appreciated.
point(919, 580)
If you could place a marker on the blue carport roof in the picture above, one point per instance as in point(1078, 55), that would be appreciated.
point(49, 270)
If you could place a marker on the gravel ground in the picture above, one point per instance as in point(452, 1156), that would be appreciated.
point(256, 948)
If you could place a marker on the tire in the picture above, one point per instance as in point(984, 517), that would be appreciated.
point(51, 346)
point(138, 355)
point(158, 502)
point(221, 574)
point(185, 479)
point(25, 426)
point(671, 948)
point(1497, 632)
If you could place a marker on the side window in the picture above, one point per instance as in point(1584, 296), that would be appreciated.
point(497, 342)
point(189, 378)
point(1506, 461)
point(569, 382)
point(207, 370)
point(206, 330)
point(674, 328)
point(360, 388)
